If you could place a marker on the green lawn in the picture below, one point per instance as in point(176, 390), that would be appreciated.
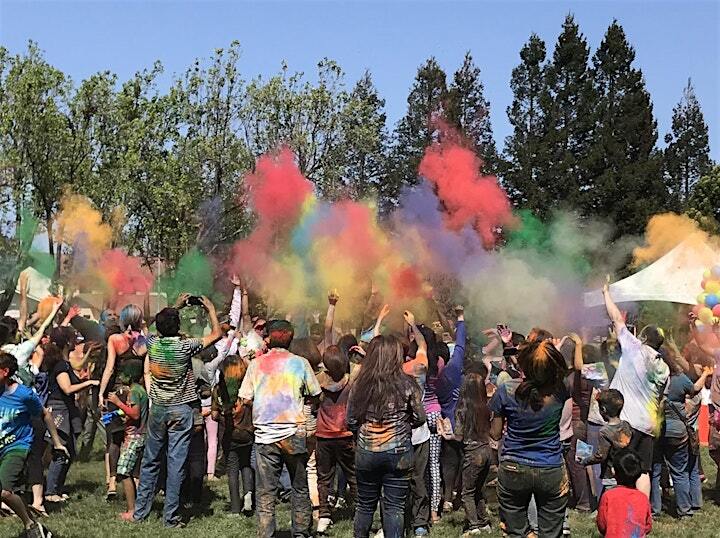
point(88, 515)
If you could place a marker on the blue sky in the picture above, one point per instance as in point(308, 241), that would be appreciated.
point(674, 40)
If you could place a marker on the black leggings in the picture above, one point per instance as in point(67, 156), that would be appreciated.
point(451, 459)
point(237, 465)
point(34, 463)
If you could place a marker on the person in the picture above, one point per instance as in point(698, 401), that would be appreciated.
point(136, 411)
point(624, 511)
point(18, 406)
point(614, 436)
point(335, 445)
point(278, 384)
point(62, 388)
point(671, 447)
point(173, 396)
point(433, 414)
point(384, 405)
point(472, 428)
point(531, 459)
point(640, 377)
point(238, 436)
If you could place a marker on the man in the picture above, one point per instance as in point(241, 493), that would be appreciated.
point(18, 406)
point(173, 395)
point(278, 384)
point(641, 377)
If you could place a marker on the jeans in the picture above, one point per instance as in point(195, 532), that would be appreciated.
point(451, 458)
point(418, 503)
point(383, 476)
point(476, 466)
point(195, 466)
point(579, 481)
point(168, 432)
point(270, 458)
point(676, 458)
point(696, 500)
point(331, 452)
point(518, 483)
point(59, 466)
point(593, 438)
point(238, 464)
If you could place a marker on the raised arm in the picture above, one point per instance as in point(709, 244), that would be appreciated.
point(613, 311)
point(447, 325)
point(24, 285)
point(35, 338)
point(578, 356)
point(215, 331)
point(330, 317)
point(700, 383)
point(419, 338)
point(381, 316)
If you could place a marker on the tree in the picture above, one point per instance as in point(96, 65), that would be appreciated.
point(569, 115)
point(523, 147)
point(470, 112)
point(427, 102)
point(627, 185)
point(365, 139)
point(687, 156)
point(704, 202)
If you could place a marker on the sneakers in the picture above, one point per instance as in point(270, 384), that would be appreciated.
point(421, 531)
point(447, 507)
point(379, 534)
point(340, 504)
point(247, 502)
point(478, 531)
point(324, 523)
point(37, 531)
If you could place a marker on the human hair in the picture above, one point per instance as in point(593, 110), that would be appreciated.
point(443, 351)
point(336, 362)
point(669, 357)
point(6, 333)
point(627, 467)
point(381, 382)
point(280, 334)
point(52, 355)
point(8, 361)
point(167, 322)
point(63, 337)
point(611, 402)
point(653, 336)
point(233, 375)
point(472, 407)
point(517, 339)
point(346, 342)
point(131, 372)
point(306, 348)
point(131, 317)
point(544, 369)
point(432, 352)
point(539, 335)
point(475, 366)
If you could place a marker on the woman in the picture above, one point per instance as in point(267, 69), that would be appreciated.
point(531, 459)
point(124, 350)
point(383, 407)
point(63, 385)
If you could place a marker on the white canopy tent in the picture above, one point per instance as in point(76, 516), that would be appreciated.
point(674, 278)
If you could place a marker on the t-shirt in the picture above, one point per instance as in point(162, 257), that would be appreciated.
point(55, 393)
point(532, 437)
point(172, 381)
point(277, 383)
point(18, 406)
point(137, 397)
point(624, 512)
point(640, 377)
point(22, 352)
point(613, 437)
point(675, 418)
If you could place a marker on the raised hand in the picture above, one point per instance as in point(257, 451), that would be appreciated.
point(409, 318)
point(333, 297)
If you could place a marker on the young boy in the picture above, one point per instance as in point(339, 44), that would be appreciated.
point(624, 511)
point(614, 436)
point(18, 406)
point(136, 414)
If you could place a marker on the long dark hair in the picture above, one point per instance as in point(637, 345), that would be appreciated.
point(381, 381)
point(544, 368)
point(52, 355)
point(473, 408)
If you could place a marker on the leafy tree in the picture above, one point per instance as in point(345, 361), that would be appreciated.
point(687, 156)
point(470, 112)
point(627, 185)
point(523, 159)
point(704, 202)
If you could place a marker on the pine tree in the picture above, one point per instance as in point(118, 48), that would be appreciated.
point(470, 112)
point(569, 107)
point(417, 129)
point(627, 186)
point(523, 146)
point(687, 156)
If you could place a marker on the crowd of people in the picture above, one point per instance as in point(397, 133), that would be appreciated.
point(421, 419)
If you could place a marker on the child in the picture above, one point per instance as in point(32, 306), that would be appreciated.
point(472, 427)
point(624, 511)
point(614, 436)
point(238, 434)
point(18, 406)
point(136, 415)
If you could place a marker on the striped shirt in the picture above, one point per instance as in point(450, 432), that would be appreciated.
point(172, 377)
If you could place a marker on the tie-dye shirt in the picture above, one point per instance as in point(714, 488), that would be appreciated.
point(172, 378)
point(640, 377)
point(17, 408)
point(277, 383)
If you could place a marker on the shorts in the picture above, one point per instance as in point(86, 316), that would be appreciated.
point(130, 459)
point(642, 443)
point(12, 470)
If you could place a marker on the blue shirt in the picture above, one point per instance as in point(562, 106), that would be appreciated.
point(17, 408)
point(675, 418)
point(532, 437)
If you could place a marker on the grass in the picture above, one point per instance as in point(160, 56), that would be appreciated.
point(87, 514)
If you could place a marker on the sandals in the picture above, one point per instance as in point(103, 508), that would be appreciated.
point(38, 511)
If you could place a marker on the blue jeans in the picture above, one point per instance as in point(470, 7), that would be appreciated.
point(385, 474)
point(696, 500)
point(676, 458)
point(169, 431)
